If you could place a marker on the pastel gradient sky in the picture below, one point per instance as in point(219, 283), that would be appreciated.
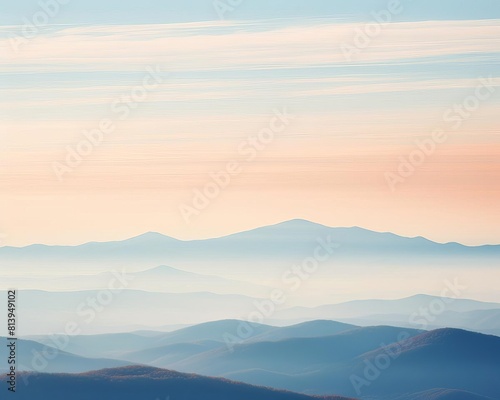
point(221, 81)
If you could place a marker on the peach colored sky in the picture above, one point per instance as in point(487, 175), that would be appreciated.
point(220, 84)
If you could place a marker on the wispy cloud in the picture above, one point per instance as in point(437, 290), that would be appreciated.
point(354, 120)
point(189, 90)
point(215, 46)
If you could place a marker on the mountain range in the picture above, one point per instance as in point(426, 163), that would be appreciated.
point(153, 301)
point(139, 382)
point(313, 358)
point(251, 262)
point(290, 236)
point(424, 311)
point(48, 312)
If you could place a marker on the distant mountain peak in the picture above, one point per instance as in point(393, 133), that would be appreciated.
point(299, 223)
point(152, 236)
point(164, 269)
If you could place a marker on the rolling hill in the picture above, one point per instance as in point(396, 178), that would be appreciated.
point(308, 329)
point(292, 356)
point(365, 308)
point(132, 383)
point(445, 358)
point(478, 316)
point(444, 364)
point(34, 356)
point(481, 320)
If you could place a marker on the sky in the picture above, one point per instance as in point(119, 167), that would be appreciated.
point(203, 118)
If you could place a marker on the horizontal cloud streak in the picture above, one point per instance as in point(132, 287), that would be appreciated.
point(210, 48)
point(222, 81)
point(194, 90)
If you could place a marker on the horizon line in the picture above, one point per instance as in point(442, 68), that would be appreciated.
point(302, 220)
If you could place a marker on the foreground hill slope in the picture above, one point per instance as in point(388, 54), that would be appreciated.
point(444, 394)
point(444, 358)
point(136, 382)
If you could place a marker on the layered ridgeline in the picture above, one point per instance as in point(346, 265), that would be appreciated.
point(138, 382)
point(163, 279)
point(152, 285)
point(310, 263)
point(419, 311)
point(287, 241)
point(317, 357)
point(102, 311)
